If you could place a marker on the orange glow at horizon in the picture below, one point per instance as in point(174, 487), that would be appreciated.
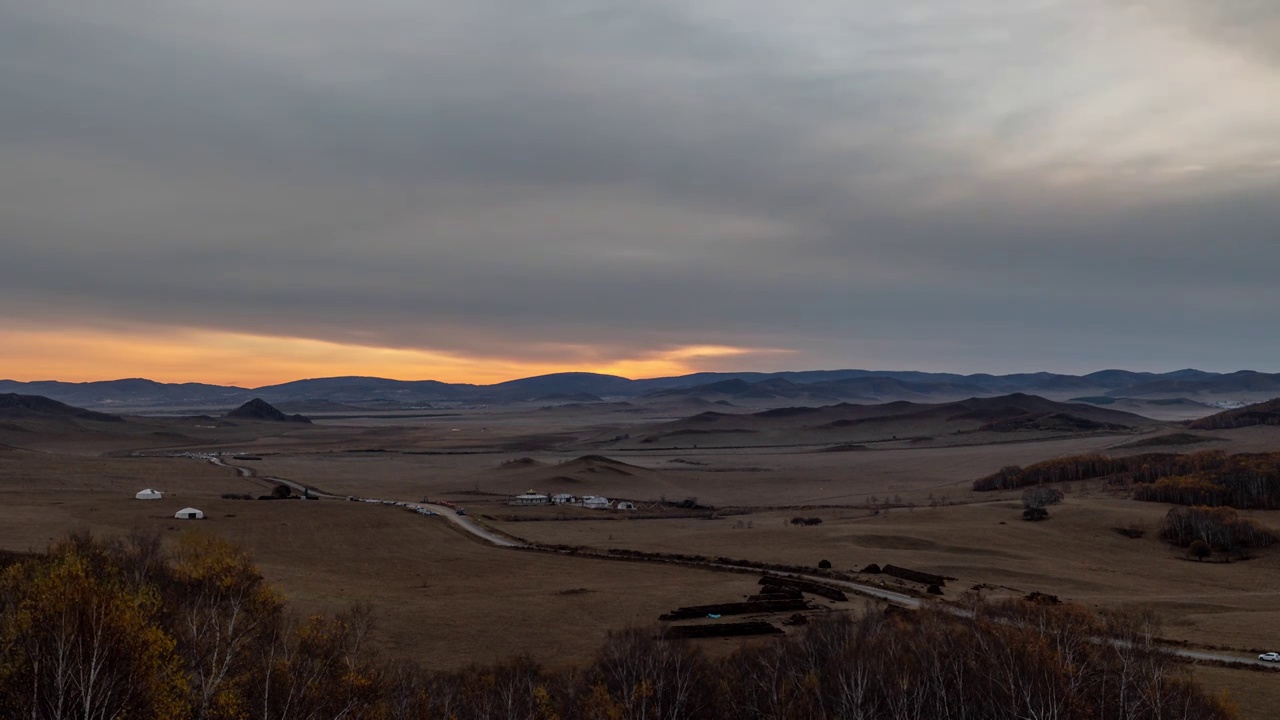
point(245, 360)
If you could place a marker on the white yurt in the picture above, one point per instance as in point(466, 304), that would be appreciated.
point(189, 514)
point(594, 502)
point(531, 498)
point(149, 494)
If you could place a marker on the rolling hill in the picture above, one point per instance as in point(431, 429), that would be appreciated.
point(259, 409)
point(131, 392)
point(1265, 413)
point(589, 474)
point(995, 418)
point(36, 407)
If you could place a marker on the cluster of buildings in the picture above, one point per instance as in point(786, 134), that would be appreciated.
point(591, 502)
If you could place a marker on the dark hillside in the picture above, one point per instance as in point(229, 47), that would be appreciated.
point(1020, 414)
point(22, 407)
point(1264, 413)
point(258, 409)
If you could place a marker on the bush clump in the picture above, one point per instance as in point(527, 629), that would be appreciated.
point(1041, 496)
point(1035, 514)
point(806, 521)
point(1218, 527)
point(1133, 531)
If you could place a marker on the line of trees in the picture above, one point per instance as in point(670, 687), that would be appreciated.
point(1069, 469)
point(97, 630)
point(1210, 477)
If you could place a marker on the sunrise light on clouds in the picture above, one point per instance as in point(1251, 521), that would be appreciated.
point(171, 355)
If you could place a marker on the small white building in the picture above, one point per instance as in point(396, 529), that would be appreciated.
point(531, 498)
point(149, 494)
point(563, 499)
point(189, 514)
point(625, 505)
point(595, 502)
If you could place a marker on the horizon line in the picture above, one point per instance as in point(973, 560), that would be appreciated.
point(629, 379)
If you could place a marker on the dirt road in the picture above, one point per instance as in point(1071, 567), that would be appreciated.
point(469, 525)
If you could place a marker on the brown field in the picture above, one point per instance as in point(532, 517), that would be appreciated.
point(1257, 693)
point(444, 599)
point(1075, 555)
point(441, 598)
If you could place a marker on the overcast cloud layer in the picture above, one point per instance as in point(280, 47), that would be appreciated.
point(983, 185)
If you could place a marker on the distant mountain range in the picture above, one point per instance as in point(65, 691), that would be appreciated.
point(818, 386)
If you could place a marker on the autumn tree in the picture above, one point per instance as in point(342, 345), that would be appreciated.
point(224, 616)
point(648, 678)
point(79, 641)
point(1041, 496)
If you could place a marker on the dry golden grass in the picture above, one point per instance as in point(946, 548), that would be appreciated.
point(444, 599)
point(441, 598)
point(1075, 554)
point(1257, 693)
point(746, 477)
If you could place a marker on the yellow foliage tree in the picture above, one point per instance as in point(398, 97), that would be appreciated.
point(80, 643)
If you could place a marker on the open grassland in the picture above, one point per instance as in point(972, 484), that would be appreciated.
point(1256, 693)
point(1076, 555)
point(381, 462)
point(744, 477)
point(444, 599)
point(440, 598)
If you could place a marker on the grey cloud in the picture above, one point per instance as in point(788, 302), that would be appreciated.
point(1251, 26)
point(488, 178)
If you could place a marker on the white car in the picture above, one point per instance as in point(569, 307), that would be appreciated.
point(1269, 657)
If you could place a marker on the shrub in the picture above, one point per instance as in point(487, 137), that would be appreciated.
point(1035, 514)
point(824, 564)
point(1040, 497)
point(282, 491)
point(1133, 530)
point(1200, 550)
point(806, 521)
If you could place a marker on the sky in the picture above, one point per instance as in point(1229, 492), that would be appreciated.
point(255, 191)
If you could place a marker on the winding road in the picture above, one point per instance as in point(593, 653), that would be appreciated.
point(469, 525)
point(465, 523)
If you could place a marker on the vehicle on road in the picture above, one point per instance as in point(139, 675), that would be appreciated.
point(462, 511)
point(1269, 657)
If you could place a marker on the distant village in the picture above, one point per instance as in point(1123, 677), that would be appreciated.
point(591, 502)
